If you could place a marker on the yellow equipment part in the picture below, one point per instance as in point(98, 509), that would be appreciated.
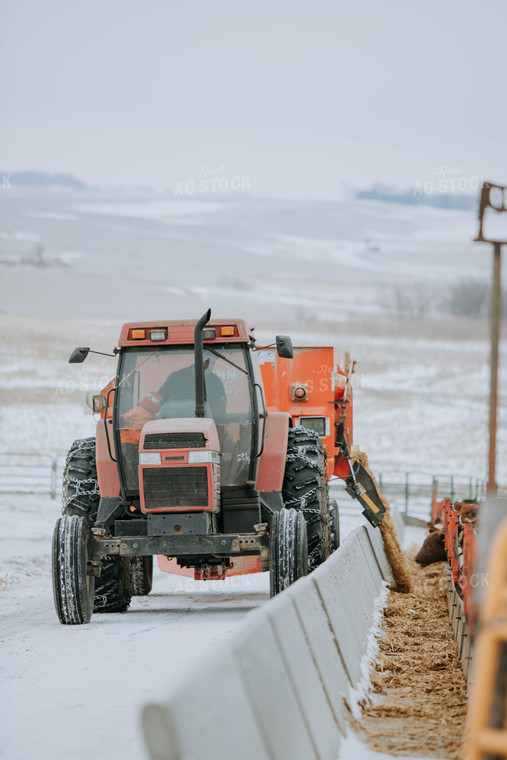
point(486, 734)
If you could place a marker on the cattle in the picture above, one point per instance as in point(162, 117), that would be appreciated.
point(433, 549)
point(467, 510)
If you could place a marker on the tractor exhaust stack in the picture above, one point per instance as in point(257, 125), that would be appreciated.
point(199, 364)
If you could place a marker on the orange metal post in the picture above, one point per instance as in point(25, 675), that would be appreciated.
point(487, 720)
point(496, 311)
point(468, 579)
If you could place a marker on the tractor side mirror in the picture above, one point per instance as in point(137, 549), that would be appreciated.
point(79, 355)
point(284, 347)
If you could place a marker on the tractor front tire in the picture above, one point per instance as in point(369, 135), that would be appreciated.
point(73, 588)
point(81, 496)
point(141, 575)
point(305, 489)
point(288, 552)
point(334, 524)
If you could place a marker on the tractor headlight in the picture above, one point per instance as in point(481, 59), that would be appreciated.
point(203, 457)
point(150, 457)
point(321, 425)
point(158, 334)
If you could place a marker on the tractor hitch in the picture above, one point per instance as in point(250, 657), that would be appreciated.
point(219, 545)
point(361, 486)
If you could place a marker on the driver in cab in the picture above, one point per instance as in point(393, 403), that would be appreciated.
point(175, 398)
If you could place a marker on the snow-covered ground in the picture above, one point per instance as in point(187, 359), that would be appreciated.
point(354, 749)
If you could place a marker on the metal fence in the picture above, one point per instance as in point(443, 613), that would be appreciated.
point(31, 473)
point(410, 492)
point(408, 488)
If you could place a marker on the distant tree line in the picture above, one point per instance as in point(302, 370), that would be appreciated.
point(453, 201)
point(41, 179)
point(467, 298)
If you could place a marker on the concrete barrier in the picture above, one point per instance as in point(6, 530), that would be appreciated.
point(296, 651)
point(348, 594)
point(210, 709)
point(270, 688)
point(377, 548)
point(322, 639)
point(279, 688)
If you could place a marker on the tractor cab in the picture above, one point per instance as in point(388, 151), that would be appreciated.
point(157, 384)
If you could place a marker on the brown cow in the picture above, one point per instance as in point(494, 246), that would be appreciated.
point(467, 510)
point(433, 549)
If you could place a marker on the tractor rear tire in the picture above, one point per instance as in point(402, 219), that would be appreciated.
point(288, 552)
point(141, 575)
point(305, 489)
point(81, 497)
point(113, 590)
point(334, 524)
point(73, 588)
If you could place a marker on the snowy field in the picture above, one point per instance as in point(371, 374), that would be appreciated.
point(109, 258)
point(315, 271)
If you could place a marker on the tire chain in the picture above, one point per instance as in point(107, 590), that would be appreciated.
point(89, 488)
point(85, 446)
point(80, 491)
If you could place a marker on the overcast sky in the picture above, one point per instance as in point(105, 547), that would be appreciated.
point(301, 98)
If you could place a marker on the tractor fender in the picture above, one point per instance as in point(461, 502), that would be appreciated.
point(272, 460)
point(107, 471)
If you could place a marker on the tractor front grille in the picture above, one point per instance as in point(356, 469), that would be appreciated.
point(175, 487)
point(175, 441)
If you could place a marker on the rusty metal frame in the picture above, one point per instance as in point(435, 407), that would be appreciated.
point(484, 204)
point(495, 318)
point(486, 719)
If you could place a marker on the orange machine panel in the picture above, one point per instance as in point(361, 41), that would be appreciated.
point(182, 332)
point(306, 387)
point(272, 461)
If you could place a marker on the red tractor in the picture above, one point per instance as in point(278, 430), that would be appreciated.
point(213, 454)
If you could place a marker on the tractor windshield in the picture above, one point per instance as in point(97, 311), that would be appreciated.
point(160, 383)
